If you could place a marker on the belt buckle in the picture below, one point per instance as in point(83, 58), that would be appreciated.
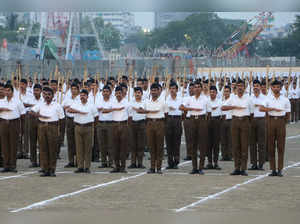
point(196, 117)
point(275, 118)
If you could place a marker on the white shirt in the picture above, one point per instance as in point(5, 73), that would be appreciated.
point(244, 101)
point(260, 100)
point(58, 97)
point(281, 103)
point(132, 113)
point(175, 103)
point(104, 105)
point(200, 103)
point(53, 110)
point(184, 102)
point(94, 98)
point(33, 101)
point(293, 94)
point(88, 108)
point(16, 106)
point(121, 115)
point(157, 105)
point(68, 102)
point(215, 103)
point(227, 113)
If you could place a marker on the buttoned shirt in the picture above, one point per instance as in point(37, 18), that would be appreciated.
point(199, 103)
point(281, 103)
point(259, 101)
point(244, 101)
point(15, 106)
point(121, 115)
point(227, 113)
point(104, 105)
point(157, 105)
point(132, 113)
point(216, 103)
point(175, 103)
point(88, 108)
point(293, 94)
point(68, 102)
point(53, 110)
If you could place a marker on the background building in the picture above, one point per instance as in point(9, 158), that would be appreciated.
point(161, 19)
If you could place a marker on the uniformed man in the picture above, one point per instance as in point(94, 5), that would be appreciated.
point(70, 126)
point(173, 126)
point(278, 108)
point(137, 129)
point(294, 97)
point(84, 118)
point(2, 97)
point(241, 107)
point(200, 110)
point(50, 114)
point(11, 110)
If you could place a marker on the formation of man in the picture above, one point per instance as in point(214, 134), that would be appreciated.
point(113, 119)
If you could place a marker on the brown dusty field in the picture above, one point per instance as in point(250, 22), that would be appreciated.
point(137, 197)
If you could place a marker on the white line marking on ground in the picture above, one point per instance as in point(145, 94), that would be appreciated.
point(45, 202)
point(292, 137)
point(17, 176)
point(213, 196)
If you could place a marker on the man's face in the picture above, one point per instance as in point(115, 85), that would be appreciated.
point(154, 92)
point(8, 92)
point(74, 90)
point(256, 88)
point(173, 90)
point(197, 89)
point(226, 92)
point(37, 92)
point(53, 86)
point(205, 86)
point(106, 93)
point(276, 89)
point(83, 97)
point(94, 86)
point(118, 95)
point(191, 90)
point(30, 84)
point(140, 84)
point(48, 96)
point(263, 89)
point(124, 91)
point(145, 84)
point(23, 86)
point(138, 95)
point(240, 88)
point(213, 94)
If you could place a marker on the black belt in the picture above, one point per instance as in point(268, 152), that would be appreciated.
point(104, 122)
point(155, 119)
point(259, 118)
point(48, 123)
point(9, 121)
point(277, 117)
point(174, 116)
point(215, 118)
point(139, 121)
point(240, 118)
point(85, 125)
point(120, 122)
point(70, 118)
point(198, 117)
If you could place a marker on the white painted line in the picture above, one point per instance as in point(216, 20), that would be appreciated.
point(17, 176)
point(45, 202)
point(292, 137)
point(213, 196)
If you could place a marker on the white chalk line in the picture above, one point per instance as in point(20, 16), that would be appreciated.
point(45, 202)
point(214, 196)
point(18, 176)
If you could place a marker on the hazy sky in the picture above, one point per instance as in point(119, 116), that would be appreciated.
point(146, 19)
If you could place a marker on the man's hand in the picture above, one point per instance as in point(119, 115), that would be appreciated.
point(118, 109)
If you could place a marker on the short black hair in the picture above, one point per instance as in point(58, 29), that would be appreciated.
point(276, 82)
point(172, 84)
point(23, 81)
point(48, 89)
point(240, 81)
point(53, 81)
point(138, 89)
point(9, 86)
point(125, 77)
point(106, 87)
point(256, 81)
point(227, 87)
point(154, 86)
point(140, 80)
point(213, 88)
point(75, 85)
point(123, 85)
point(37, 86)
point(198, 83)
point(118, 88)
point(84, 91)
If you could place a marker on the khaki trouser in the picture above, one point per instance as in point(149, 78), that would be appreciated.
point(277, 133)
point(84, 142)
point(214, 139)
point(240, 139)
point(226, 145)
point(34, 123)
point(61, 134)
point(9, 130)
point(48, 135)
point(104, 138)
point(294, 110)
point(173, 139)
point(257, 141)
point(120, 143)
point(199, 130)
point(137, 136)
point(155, 130)
point(70, 129)
point(188, 136)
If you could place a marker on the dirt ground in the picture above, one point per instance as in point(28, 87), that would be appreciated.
point(174, 197)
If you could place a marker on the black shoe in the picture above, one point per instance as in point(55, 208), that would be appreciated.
point(244, 173)
point(13, 170)
point(5, 170)
point(79, 170)
point(25, 156)
point(103, 166)
point(123, 171)
point(159, 171)
point(115, 170)
point(235, 172)
point(132, 166)
point(216, 167)
point(52, 174)
point(70, 165)
point(188, 158)
point(58, 157)
point(33, 165)
point(141, 166)
point(201, 172)
point(253, 167)
point(260, 167)
point(209, 166)
point(45, 174)
point(170, 167)
point(273, 174)
point(175, 167)
point(279, 173)
point(41, 171)
point(87, 170)
point(194, 171)
point(150, 171)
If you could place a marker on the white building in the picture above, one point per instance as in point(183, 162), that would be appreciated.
point(3, 21)
point(162, 19)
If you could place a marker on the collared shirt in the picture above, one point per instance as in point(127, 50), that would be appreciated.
point(216, 103)
point(293, 94)
point(132, 113)
point(68, 102)
point(244, 101)
point(16, 106)
point(157, 105)
point(184, 102)
point(227, 113)
point(88, 108)
point(104, 105)
point(121, 115)
point(33, 101)
point(95, 98)
point(54, 111)
point(200, 103)
point(175, 103)
point(281, 103)
point(260, 100)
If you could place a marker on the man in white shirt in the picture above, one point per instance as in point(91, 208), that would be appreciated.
point(258, 129)
point(84, 118)
point(214, 125)
point(226, 138)
point(173, 126)
point(2, 97)
point(241, 107)
point(137, 129)
point(104, 128)
point(200, 110)
point(120, 131)
point(11, 110)
point(279, 109)
point(70, 126)
point(293, 97)
point(50, 115)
